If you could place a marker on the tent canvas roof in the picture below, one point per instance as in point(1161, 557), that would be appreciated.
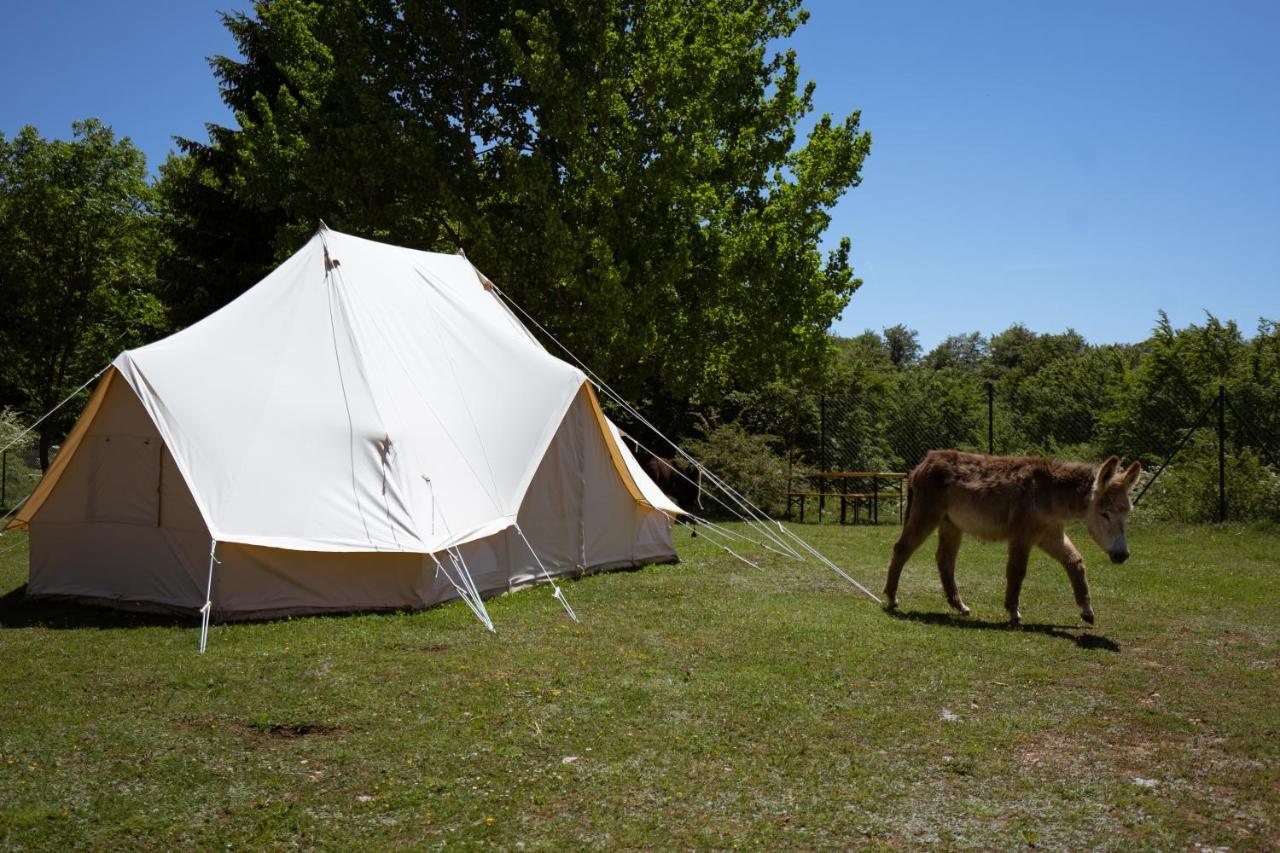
point(362, 397)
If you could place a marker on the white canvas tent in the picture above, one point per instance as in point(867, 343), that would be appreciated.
point(368, 427)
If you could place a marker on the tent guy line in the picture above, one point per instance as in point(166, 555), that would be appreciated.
point(789, 553)
point(555, 587)
point(732, 534)
point(749, 514)
point(720, 544)
point(613, 395)
point(472, 596)
point(65, 400)
point(57, 406)
point(758, 526)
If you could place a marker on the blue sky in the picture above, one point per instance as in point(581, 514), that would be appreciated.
point(1063, 165)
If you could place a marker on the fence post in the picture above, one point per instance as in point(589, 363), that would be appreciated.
point(822, 453)
point(4, 479)
point(991, 418)
point(1222, 453)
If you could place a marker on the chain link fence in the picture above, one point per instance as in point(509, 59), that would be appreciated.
point(1210, 448)
point(1209, 453)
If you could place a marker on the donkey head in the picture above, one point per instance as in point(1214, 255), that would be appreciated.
point(1109, 507)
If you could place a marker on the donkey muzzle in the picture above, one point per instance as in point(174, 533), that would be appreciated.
point(1119, 557)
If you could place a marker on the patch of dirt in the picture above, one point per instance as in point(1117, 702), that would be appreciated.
point(290, 731)
point(430, 647)
point(280, 731)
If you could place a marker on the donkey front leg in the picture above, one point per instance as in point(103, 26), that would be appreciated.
point(1015, 571)
point(1057, 545)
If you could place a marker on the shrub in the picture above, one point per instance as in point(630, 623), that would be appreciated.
point(748, 463)
point(1188, 490)
point(21, 471)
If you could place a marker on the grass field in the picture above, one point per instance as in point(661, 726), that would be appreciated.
point(699, 705)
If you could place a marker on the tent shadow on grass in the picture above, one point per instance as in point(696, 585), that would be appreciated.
point(63, 613)
point(1080, 636)
point(56, 613)
point(18, 611)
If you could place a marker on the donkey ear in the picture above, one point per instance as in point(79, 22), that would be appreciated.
point(1107, 471)
point(1130, 476)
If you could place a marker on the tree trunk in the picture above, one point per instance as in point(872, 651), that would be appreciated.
point(46, 441)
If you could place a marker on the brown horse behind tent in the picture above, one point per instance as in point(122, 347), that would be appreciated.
point(680, 486)
point(1023, 500)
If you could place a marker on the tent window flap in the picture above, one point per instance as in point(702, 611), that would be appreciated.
point(124, 479)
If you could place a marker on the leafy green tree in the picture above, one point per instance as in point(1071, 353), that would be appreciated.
point(629, 172)
point(1060, 405)
point(932, 409)
point(78, 244)
point(215, 244)
point(902, 345)
point(1174, 384)
point(867, 350)
point(967, 352)
point(1256, 397)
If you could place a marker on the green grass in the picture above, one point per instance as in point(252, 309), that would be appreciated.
point(704, 704)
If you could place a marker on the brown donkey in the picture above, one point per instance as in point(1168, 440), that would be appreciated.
point(1024, 500)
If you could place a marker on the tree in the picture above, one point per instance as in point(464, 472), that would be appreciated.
point(629, 172)
point(77, 257)
point(1177, 382)
point(932, 409)
point(902, 345)
point(967, 352)
point(216, 246)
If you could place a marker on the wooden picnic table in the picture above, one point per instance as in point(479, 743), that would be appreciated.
point(857, 498)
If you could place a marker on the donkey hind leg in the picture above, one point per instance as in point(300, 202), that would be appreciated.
point(949, 537)
point(920, 523)
point(1015, 571)
point(1057, 545)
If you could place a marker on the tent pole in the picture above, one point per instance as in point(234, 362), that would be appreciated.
point(208, 597)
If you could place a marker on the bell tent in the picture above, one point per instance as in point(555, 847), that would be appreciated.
point(367, 427)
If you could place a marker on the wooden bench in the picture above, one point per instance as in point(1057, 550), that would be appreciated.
point(857, 499)
point(871, 500)
point(794, 497)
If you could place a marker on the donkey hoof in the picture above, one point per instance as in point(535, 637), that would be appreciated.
point(890, 604)
point(1015, 618)
point(960, 607)
point(1087, 615)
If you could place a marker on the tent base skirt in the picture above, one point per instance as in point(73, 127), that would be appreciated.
point(159, 609)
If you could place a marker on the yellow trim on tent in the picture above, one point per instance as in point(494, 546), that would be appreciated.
point(615, 454)
point(63, 459)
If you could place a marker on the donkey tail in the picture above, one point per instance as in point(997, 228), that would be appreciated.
point(910, 493)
